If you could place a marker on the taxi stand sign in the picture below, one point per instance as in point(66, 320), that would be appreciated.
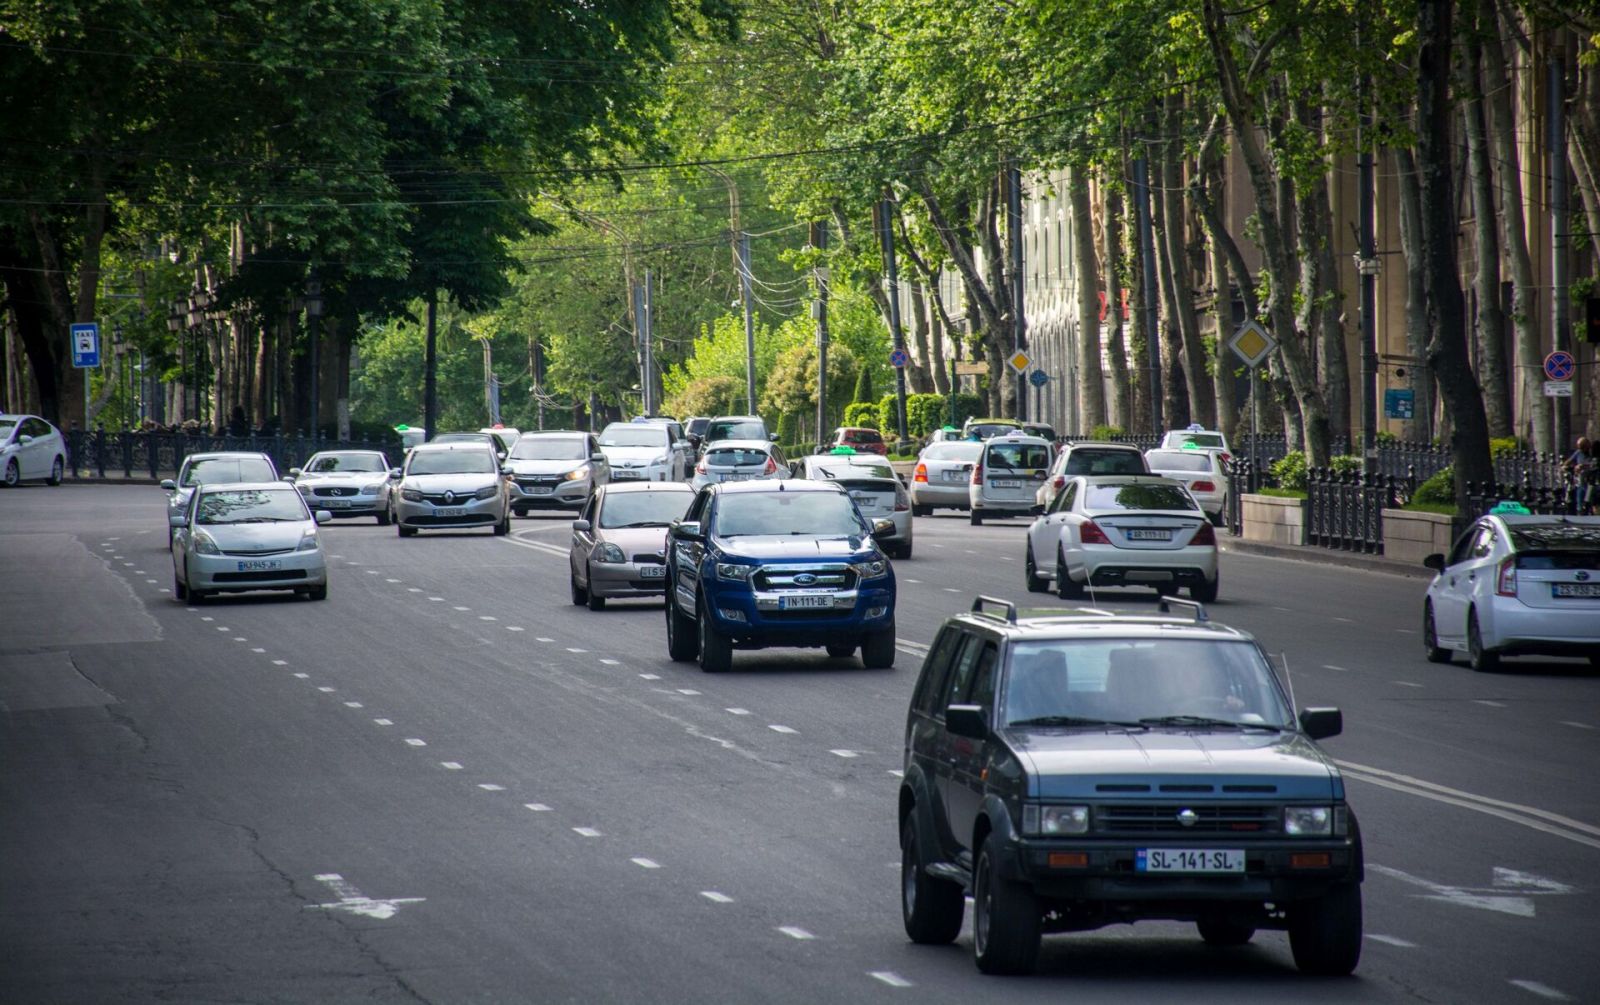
point(86, 345)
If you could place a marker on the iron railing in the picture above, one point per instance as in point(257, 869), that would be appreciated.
point(156, 455)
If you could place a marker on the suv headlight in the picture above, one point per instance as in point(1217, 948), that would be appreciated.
point(1308, 821)
point(734, 571)
point(609, 552)
point(411, 495)
point(578, 473)
point(308, 541)
point(487, 492)
point(205, 544)
point(870, 569)
point(1050, 821)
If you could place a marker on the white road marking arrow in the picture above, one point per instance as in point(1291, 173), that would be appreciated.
point(352, 900)
point(1509, 895)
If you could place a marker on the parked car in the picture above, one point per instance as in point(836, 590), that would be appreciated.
point(1202, 473)
point(31, 449)
point(871, 482)
point(942, 474)
point(734, 427)
point(619, 541)
point(1090, 458)
point(785, 563)
point(445, 486)
point(346, 483)
point(982, 429)
point(239, 536)
point(1005, 481)
point(501, 444)
point(860, 439)
point(1122, 530)
point(218, 468)
point(1516, 584)
point(1198, 436)
point(1042, 430)
point(1078, 771)
point(555, 469)
point(739, 461)
point(643, 451)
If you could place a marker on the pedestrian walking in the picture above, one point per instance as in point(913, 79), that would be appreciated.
point(1582, 469)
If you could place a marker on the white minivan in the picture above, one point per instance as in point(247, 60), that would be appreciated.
point(1006, 479)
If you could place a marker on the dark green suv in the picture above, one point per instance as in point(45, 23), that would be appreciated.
point(1086, 769)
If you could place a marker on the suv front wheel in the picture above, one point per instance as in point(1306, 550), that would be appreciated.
point(1325, 933)
point(877, 651)
point(1005, 917)
point(716, 651)
point(932, 908)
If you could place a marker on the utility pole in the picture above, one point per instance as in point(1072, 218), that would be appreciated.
point(1367, 266)
point(1560, 306)
point(749, 323)
point(1019, 336)
point(430, 368)
point(896, 332)
point(819, 310)
point(1147, 286)
point(314, 331)
point(649, 348)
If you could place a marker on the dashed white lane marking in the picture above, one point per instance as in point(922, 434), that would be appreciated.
point(1542, 990)
point(951, 589)
point(1330, 666)
point(1576, 725)
point(487, 617)
point(687, 690)
point(149, 580)
point(917, 581)
point(302, 676)
point(715, 897)
point(588, 832)
point(224, 628)
point(458, 607)
point(1491, 704)
point(1347, 621)
point(373, 572)
point(844, 753)
point(391, 581)
point(491, 787)
point(413, 589)
point(351, 562)
point(737, 711)
point(128, 564)
point(781, 729)
point(416, 742)
point(537, 807)
point(240, 638)
point(646, 863)
point(325, 690)
point(1406, 683)
point(191, 610)
point(542, 638)
point(384, 722)
point(890, 978)
point(612, 663)
point(1390, 940)
point(280, 663)
point(257, 649)
point(1406, 631)
point(575, 649)
point(938, 546)
point(353, 704)
point(795, 932)
point(450, 765)
point(650, 676)
point(513, 628)
point(896, 772)
point(204, 617)
point(437, 600)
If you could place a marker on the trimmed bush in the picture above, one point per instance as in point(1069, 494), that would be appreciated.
point(1105, 432)
point(1290, 471)
point(1345, 464)
point(1502, 445)
point(1439, 490)
point(862, 413)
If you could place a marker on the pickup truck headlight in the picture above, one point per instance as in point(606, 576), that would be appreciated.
point(204, 544)
point(411, 495)
point(1308, 821)
point(577, 474)
point(1051, 821)
point(609, 552)
point(734, 572)
point(870, 570)
point(487, 492)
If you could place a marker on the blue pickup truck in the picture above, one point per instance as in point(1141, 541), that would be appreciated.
point(778, 563)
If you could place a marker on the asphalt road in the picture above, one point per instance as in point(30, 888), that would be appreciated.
point(447, 784)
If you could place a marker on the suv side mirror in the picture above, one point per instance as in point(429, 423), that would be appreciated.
point(687, 530)
point(1434, 562)
point(967, 720)
point(1321, 723)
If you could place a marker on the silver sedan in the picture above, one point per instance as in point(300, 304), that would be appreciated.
point(247, 536)
point(878, 494)
point(448, 486)
point(940, 478)
point(619, 541)
point(219, 468)
point(346, 483)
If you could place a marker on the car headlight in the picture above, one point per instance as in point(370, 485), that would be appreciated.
point(870, 570)
point(1050, 821)
point(487, 492)
point(661, 461)
point(577, 474)
point(205, 544)
point(1308, 821)
point(734, 572)
point(308, 541)
point(411, 495)
point(608, 552)
point(373, 489)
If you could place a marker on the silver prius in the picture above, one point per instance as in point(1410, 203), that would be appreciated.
point(450, 485)
point(942, 474)
point(619, 541)
point(247, 536)
point(346, 483)
point(219, 468)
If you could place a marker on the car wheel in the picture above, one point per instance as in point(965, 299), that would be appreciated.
point(1483, 660)
point(520, 512)
point(179, 591)
point(1067, 588)
point(56, 469)
point(1325, 933)
point(318, 592)
point(932, 908)
point(1430, 638)
point(13, 475)
point(1005, 917)
point(1206, 592)
point(503, 528)
point(841, 652)
point(877, 652)
point(383, 518)
point(1036, 582)
point(580, 596)
point(1225, 931)
point(404, 530)
point(901, 552)
point(716, 651)
point(921, 510)
point(682, 644)
point(596, 602)
point(975, 518)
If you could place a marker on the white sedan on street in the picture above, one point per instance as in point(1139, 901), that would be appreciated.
point(1201, 471)
point(1516, 584)
point(30, 450)
point(247, 536)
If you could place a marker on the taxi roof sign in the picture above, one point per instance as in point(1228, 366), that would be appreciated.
point(842, 450)
point(1511, 506)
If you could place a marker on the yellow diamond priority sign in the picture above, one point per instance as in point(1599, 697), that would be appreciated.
point(1252, 344)
point(1019, 361)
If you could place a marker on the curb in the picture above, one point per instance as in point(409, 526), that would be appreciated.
point(109, 480)
point(1326, 556)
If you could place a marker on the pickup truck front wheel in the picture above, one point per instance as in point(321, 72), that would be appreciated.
point(1325, 933)
point(932, 908)
point(877, 652)
point(682, 645)
point(716, 651)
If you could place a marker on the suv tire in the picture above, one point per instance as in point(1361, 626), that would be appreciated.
point(1036, 582)
point(1005, 917)
point(1430, 638)
point(1325, 933)
point(716, 651)
point(682, 643)
point(1206, 592)
point(877, 650)
point(1483, 660)
point(932, 908)
point(1225, 931)
point(841, 651)
point(1066, 587)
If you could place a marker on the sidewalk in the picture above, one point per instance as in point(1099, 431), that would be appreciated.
point(112, 478)
point(1323, 556)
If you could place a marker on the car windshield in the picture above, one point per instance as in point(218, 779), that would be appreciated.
point(1088, 461)
point(451, 462)
point(549, 448)
point(250, 506)
point(952, 450)
point(655, 508)
point(793, 514)
point(6, 426)
point(736, 429)
point(327, 464)
point(861, 436)
point(1176, 460)
point(1137, 496)
point(727, 457)
point(697, 426)
point(846, 469)
point(1017, 456)
point(620, 434)
point(463, 438)
point(1198, 439)
point(222, 470)
point(1169, 682)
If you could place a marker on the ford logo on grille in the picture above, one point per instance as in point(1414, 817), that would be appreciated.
point(804, 579)
point(1581, 576)
point(449, 497)
point(1188, 817)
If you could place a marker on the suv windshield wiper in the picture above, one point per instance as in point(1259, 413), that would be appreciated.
point(1073, 720)
point(1206, 721)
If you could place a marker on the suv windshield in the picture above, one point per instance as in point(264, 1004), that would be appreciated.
point(221, 470)
point(1177, 682)
point(1017, 456)
point(549, 448)
point(1177, 460)
point(643, 509)
point(451, 462)
point(327, 464)
point(629, 434)
point(251, 506)
point(797, 514)
point(735, 429)
point(1135, 496)
point(1088, 461)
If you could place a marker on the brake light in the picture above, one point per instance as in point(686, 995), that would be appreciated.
point(902, 499)
point(977, 473)
point(1204, 487)
point(921, 474)
point(1507, 585)
point(1205, 535)
point(1089, 532)
point(772, 465)
point(701, 467)
point(1061, 481)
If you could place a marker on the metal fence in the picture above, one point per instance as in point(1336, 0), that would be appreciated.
point(156, 455)
point(1345, 511)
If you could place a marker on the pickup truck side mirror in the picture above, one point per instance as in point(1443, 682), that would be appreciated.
point(1321, 723)
point(967, 720)
point(1434, 562)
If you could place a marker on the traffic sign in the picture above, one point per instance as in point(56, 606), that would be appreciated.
point(899, 358)
point(1559, 365)
point(971, 369)
point(86, 345)
point(1252, 343)
point(1020, 361)
point(1399, 403)
point(1038, 378)
point(1558, 389)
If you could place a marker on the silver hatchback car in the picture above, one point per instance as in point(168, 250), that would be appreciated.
point(445, 486)
point(619, 541)
point(739, 461)
point(247, 536)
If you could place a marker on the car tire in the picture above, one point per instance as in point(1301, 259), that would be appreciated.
point(580, 596)
point(1482, 660)
point(901, 552)
point(931, 908)
point(179, 591)
point(405, 531)
point(1225, 931)
point(56, 470)
point(975, 518)
point(877, 650)
point(841, 652)
point(503, 528)
point(596, 602)
point(1325, 933)
point(1005, 917)
point(13, 475)
point(1430, 638)
point(1206, 592)
point(318, 592)
point(383, 518)
point(683, 644)
point(917, 510)
point(1067, 588)
point(521, 512)
point(1036, 582)
point(716, 651)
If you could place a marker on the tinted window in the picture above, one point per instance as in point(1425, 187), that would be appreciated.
point(1088, 461)
point(936, 672)
point(861, 436)
point(961, 678)
point(736, 429)
point(222, 470)
point(981, 690)
point(848, 469)
point(735, 456)
point(452, 462)
point(984, 430)
point(1555, 536)
point(1136, 496)
point(550, 448)
point(323, 464)
point(796, 514)
point(253, 506)
point(642, 509)
point(1177, 460)
point(7, 426)
point(36, 427)
point(1064, 499)
point(1017, 456)
point(1483, 544)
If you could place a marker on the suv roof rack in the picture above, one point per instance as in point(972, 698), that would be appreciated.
point(981, 600)
point(1196, 606)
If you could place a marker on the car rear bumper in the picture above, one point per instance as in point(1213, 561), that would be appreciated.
point(1112, 566)
point(934, 494)
point(1512, 625)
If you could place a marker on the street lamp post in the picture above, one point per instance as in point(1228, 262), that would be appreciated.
point(175, 325)
point(313, 303)
point(197, 317)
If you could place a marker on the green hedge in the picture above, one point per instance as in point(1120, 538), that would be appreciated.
point(862, 413)
point(1440, 490)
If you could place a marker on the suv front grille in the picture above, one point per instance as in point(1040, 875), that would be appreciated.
point(1237, 820)
point(826, 577)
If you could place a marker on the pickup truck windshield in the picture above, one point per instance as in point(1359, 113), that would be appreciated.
point(792, 514)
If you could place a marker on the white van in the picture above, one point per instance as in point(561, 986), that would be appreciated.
point(1006, 479)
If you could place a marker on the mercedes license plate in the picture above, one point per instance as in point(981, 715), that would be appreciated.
point(1188, 860)
point(652, 572)
point(260, 565)
point(1135, 534)
point(1006, 483)
point(805, 601)
point(333, 503)
point(450, 511)
point(1575, 589)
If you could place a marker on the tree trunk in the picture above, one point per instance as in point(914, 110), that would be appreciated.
point(988, 300)
point(1490, 322)
point(1420, 428)
point(1118, 413)
point(1174, 385)
point(1138, 335)
point(917, 372)
point(1196, 368)
point(936, 335)
point(1091, 378)
point(1206, 190)
point(1321, 299)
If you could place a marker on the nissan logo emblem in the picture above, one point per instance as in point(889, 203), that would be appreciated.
point(804, 579)
point(449, 497)
point(1188, 817)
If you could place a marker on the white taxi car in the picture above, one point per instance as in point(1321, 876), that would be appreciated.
point(1006, 478)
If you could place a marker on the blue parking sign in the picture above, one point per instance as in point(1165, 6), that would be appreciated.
point(86, 345)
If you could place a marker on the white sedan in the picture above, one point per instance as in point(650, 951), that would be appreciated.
point(30, 450)
point(247, 536)
point(1516, 584)
point(1200, 470)
point(1123, 530)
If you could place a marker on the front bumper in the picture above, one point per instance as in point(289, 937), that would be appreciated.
point(760, 619)
point(356, 505)
point(561, 495)
point(465, 513)
point(230, 573)
point(626, 579)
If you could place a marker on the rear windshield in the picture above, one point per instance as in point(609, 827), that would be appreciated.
point(451, 462)
point(628, 434)
point(795, 514)
point(655, 508)
point(1088, 461)
point(1198, 439)
point(862, 436)
point(1177, 460)
point(549, 448)
point(729, 457)
point(331, 463)
point(952, 450)
point(984, 430)
point(251, 506)
point(736, 429)
point(836, 469)
point(1138, 496)
point(222, 470)
point(1018, 456)
point(1555, 536)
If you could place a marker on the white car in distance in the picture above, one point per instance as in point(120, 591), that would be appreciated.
point(1201, 471)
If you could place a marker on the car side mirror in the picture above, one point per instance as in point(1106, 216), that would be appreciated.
point(967, 720)
point(1321, 723)
point(294, 473)
point(597, 458)
point(394, 474)
point(288, 478)
point(773, 437)
point(687, 530)
point(582, 525)
point(505, 469)
point(176, 520)
point(1434, 562)
point(882, 529)
point(169, 485)
point(25, 438)
point(323, 516)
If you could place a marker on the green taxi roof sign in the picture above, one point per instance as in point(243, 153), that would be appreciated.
point(401, 428)
point(842, 450)
point(1511, 506)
